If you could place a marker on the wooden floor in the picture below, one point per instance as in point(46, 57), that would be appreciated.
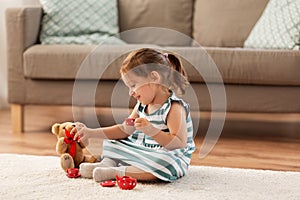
point(256, 141)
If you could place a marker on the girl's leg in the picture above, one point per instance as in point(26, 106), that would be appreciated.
point(139, 174)
point(86, 169)
point(103, 174)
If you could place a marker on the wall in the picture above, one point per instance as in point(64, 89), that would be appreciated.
point(4, 4)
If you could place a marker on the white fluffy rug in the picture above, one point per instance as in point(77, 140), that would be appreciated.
point(40, 177)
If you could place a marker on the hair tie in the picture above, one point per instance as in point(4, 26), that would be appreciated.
point(165, 55)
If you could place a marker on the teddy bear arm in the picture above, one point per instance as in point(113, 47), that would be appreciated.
point(61, 146)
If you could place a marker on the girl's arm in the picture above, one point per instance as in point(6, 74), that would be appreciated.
point(115, 132)
point(177, 137)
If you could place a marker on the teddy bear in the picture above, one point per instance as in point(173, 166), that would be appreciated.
point(70, 151)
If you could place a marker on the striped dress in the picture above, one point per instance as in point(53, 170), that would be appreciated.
point(145, 153)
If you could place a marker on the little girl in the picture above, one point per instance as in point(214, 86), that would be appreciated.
point(160, 143)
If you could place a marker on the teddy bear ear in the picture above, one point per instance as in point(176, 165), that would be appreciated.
point(55, 128)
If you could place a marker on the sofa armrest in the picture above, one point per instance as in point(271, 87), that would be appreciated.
point(23, 25)
point(22, 30)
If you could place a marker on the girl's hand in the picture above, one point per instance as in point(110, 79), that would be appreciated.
point(81, 133)
point(128, 126)
point(145, 126)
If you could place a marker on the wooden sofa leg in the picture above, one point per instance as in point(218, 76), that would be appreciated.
point(17, 118)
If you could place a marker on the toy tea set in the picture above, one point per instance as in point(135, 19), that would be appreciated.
point(124, 182)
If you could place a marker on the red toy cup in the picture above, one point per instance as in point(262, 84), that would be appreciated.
point(129, 121)
point(73, 172)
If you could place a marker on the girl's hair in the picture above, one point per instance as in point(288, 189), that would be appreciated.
point(143, 61)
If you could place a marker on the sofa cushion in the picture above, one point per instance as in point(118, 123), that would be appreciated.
point(278, 27)
point(225, 23)
point(76, 61)
point(244, 66)
point(79, 22)
point(176, 15)
point(240, 66)
point(54, 61)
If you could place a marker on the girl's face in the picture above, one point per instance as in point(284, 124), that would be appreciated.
point(141, 88)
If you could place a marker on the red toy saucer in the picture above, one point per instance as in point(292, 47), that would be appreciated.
point(109, 183)
point(73, 176)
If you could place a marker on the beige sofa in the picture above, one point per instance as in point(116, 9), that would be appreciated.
point(255, 80)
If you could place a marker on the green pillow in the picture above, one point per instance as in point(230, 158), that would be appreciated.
point(79, 22)
point(278, 27)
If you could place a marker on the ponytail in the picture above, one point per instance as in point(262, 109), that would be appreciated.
point(178, 76)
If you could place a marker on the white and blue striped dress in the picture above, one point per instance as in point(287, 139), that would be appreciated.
point(143, 152)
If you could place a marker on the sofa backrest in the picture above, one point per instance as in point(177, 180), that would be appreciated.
point(225, 23)
point(212, 23)
point(221, 23)
point(176, 15)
